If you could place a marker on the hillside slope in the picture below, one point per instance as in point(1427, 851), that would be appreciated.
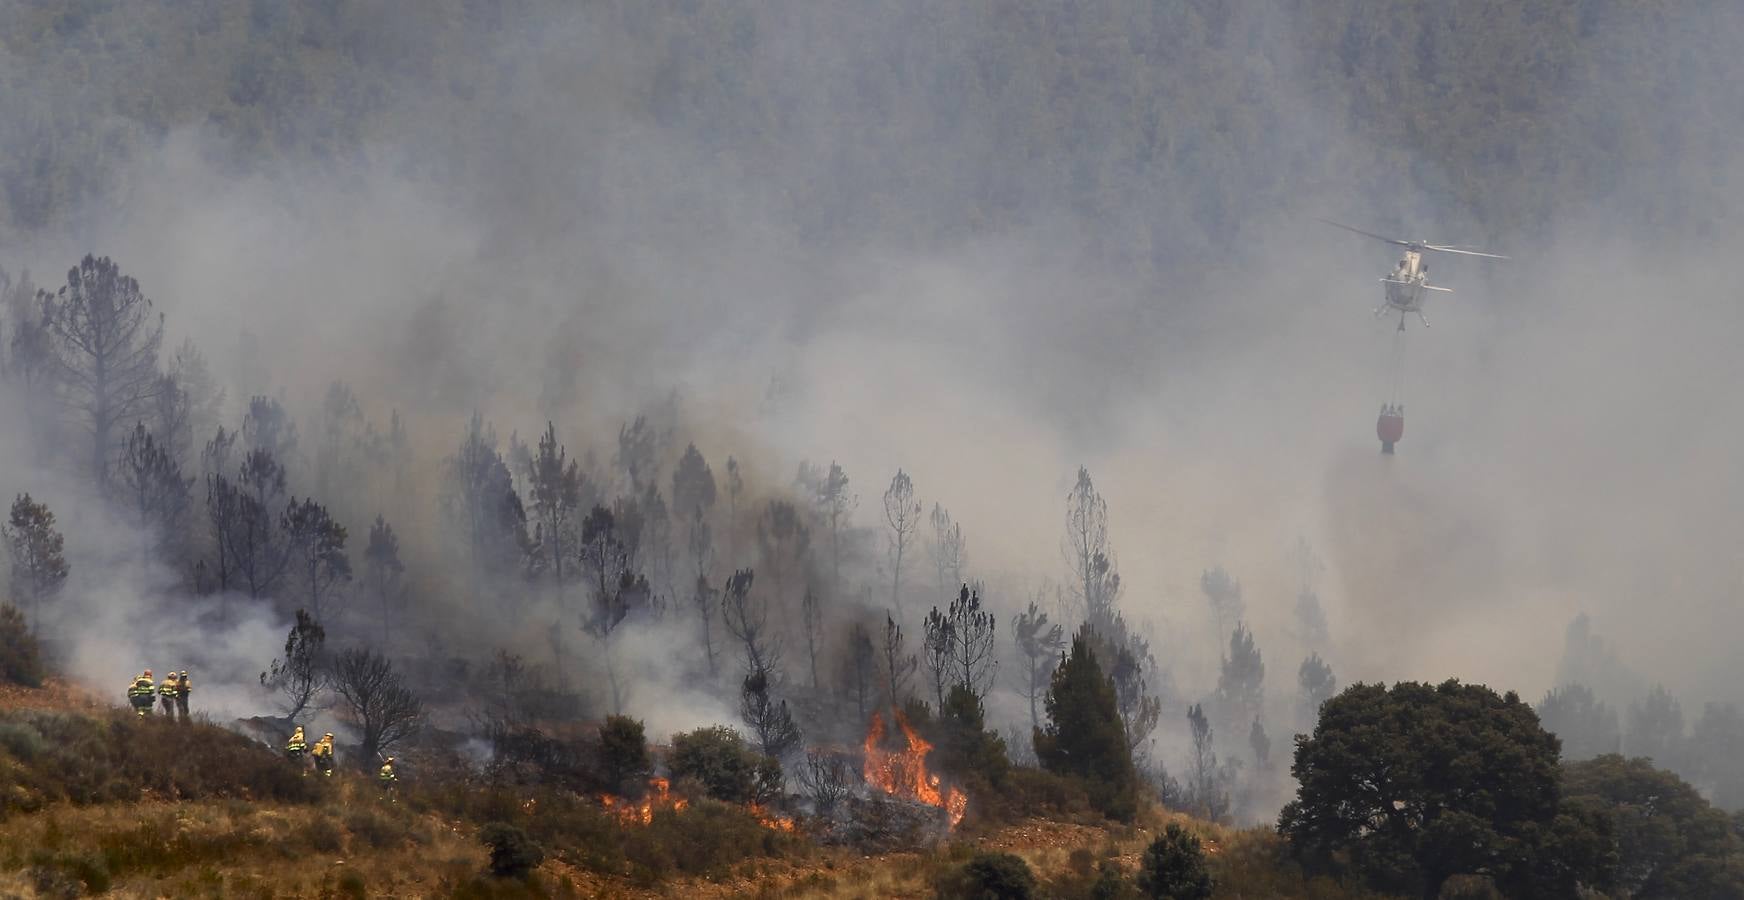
point(100, 801)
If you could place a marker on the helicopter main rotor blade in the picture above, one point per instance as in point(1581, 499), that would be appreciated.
point(1462, 251)
point(1371, 234)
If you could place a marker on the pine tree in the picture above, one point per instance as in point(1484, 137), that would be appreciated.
point(1084, 735)
point(1241, 684)
point(39, 562)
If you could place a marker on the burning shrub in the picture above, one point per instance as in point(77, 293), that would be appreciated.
point(718, 759)
point(657, 796)
point(988, 876)
point(512, 853)
point(903, 773)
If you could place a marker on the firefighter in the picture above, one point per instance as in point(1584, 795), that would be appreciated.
point(323, 754)
point(386, 777)
point(296, 748)
point(166, 694)
point(184, 687)
point(141, 693)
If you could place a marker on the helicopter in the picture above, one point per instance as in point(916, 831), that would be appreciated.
point(1407, 285)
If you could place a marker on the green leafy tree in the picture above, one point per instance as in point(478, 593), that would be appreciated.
point(1405, 787)
point(1084, 736)
point(1174, 868)
point(624, 761)
point(727, 768)
point(1669, 841)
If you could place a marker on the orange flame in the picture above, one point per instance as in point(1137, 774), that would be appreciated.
point(904, 774)
point(659, 797)
point(772, 821)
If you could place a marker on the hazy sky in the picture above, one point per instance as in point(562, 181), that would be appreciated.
point(1568, 444)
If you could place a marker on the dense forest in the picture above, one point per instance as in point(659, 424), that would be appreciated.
point(385, 367)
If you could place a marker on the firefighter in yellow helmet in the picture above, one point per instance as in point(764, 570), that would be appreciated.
point(141, 693)
point(296, 748)
point(166, 694)
point(184, 687)
point(323, 754)
point(387, 777)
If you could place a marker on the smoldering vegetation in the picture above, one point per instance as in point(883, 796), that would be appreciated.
point(465, 286)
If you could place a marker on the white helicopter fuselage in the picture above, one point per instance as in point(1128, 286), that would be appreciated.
point(1407, 286)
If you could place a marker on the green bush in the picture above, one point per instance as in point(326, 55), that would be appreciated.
point(512, 853)
point(729, 770)
point(988, 876)
point(20, 654)
point(1174, 867)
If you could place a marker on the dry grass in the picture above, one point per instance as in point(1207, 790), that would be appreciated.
point(238, 848)
point(93, 800)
